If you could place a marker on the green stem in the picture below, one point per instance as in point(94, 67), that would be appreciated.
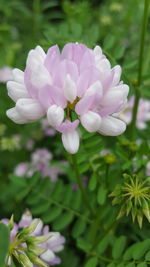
point(79, 182)
point(140, 68)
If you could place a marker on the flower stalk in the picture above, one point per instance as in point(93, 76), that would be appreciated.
point(140, 67)
point(79, 182)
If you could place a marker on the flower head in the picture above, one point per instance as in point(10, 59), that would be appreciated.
point(32, 242)
point(77, 81)
point(134, 196)
point(143, 114)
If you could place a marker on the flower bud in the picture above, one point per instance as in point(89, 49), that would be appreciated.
point(11, 222)
point(55, 115)
point(30, 229)
point(91, 121)
point(37, 239)
point(71, 141)
point(29, 108)
point(33, 258)
point(37, 250)
point(25, 260)
point(111, 126)
point(15, 116)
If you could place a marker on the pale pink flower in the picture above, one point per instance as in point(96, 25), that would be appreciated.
point(48, 130)
point(53, 245)
point(78, 80)
point(143, 114)
point(21, 169)
point(5, 74)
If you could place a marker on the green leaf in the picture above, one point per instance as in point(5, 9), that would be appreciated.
point(92, 262)
point(128, 253)
point(111, 265)
point(140, 249)
point(102, 246)
point(132, 264)
point(93, 182)
point(63, 221)
point(83, 244)
point(78, 228)
point(51, 214)
point(147, 257)
point(4, 243)
point(118, 247)
point(142, 264)
point(101, 195)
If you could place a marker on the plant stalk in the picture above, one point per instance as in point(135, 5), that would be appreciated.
point(140, 67)
point(80, 184)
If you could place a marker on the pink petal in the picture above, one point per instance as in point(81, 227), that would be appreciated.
point(68, 126)
point(51, 95)
point(87, 78)
point(52, 59)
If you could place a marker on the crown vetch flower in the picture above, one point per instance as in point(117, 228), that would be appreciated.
point(143, 114)
point(32, 243)
point(78, 80)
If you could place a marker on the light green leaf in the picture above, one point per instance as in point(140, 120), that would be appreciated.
point(118, 247)
point(92, 262)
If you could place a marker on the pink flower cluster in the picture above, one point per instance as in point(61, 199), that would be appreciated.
point(40, 161)
point(77, 83)
point(143, 114)
point(54, 244)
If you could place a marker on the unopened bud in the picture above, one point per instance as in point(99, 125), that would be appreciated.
point(11, 222)
point(25, 260)
point(37, 250)
point(146, 210)
point(30, 229)
point(33, 258)
point(37, 239)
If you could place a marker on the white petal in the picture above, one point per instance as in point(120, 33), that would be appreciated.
point(70, 90)
point(103, 65)
point(114, 96)
point(97, 51)
point(18, 75)
point(48, 255)
point(29, 108)
point(40, 76)
point(15, 116)
point(94, 88)
point(16, 90)
point(55, 115)
point(112, 126)
point(40, 50)
point(91, 121)
point(117, 74)
point(71, 141)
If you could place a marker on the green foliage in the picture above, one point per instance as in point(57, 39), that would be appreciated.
point(91, 241)
point(4, 243)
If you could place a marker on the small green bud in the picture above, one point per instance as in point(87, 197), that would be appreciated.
point(11, 222)
point(140, 219)
point(25, 260)
point(37, 250)
point(146, 209)
point(30, 229)
point(33, 258)
point(110, 159)
point(37, 239)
